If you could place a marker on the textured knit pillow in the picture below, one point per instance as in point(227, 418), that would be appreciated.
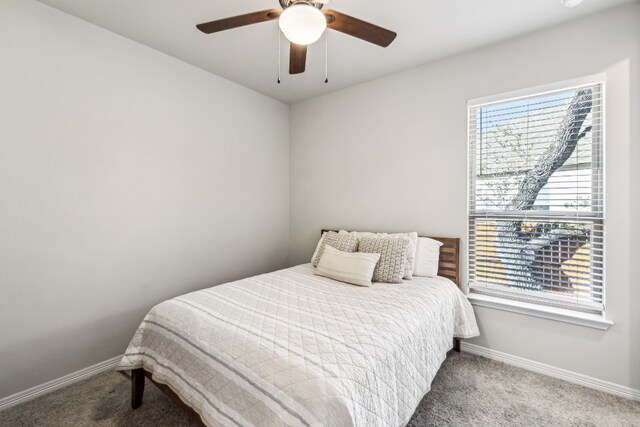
point(350, 267)
point(393, 256)
point(411, 250)
point(341, 242)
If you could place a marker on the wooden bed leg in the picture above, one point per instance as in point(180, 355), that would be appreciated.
point(137, 387)
point(456, 344)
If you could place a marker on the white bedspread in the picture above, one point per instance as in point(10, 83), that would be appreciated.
point(291, 348)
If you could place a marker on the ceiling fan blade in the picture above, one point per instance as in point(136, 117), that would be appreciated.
point(239, 21)
point(358, 28)
point(297, 58)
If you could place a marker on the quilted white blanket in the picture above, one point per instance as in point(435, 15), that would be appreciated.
point(291, 348)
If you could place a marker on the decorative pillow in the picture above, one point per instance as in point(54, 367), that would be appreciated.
point(427, 257)
point(342, 242)
point(350, 267)
point(315, 253)
point(411, 253)
point(393, 254)
point(411, 250)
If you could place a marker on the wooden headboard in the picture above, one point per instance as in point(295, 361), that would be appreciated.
point(449, 265)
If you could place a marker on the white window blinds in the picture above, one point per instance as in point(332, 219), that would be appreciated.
point(536, 198)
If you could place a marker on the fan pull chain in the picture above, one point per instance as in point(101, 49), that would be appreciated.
point(279, 55)
point(326, 56)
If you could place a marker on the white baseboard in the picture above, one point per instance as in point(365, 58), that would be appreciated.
point(48, 387)
point(552, 371)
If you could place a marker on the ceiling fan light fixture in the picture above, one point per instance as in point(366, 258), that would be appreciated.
point(302, 24)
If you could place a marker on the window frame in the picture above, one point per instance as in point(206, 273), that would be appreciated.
point(527, 303)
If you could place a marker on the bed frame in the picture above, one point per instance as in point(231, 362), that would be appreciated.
point(448, 267)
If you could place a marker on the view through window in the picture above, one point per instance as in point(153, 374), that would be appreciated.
point(536, 217)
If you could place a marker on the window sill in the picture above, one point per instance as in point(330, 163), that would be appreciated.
point(553, 313)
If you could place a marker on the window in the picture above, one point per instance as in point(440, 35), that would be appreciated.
point(536, 197)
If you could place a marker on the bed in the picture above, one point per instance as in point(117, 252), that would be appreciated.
point(293, 348)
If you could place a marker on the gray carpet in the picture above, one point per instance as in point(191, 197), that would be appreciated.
point(468, 390)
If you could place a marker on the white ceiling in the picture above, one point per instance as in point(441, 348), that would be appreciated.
point(427, 30)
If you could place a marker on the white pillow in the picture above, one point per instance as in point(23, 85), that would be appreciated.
point(427, 257)
point(350, 267)
point(315, 253)
point(411, 250)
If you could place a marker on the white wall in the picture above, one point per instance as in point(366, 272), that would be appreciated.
point(116, 163)
point(390, 155)
point(126, 177)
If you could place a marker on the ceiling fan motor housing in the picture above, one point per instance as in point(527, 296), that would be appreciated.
point(287, 3)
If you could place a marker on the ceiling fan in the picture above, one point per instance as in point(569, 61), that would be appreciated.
point(302, 23)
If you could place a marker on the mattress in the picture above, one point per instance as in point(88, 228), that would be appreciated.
point(292, 348)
